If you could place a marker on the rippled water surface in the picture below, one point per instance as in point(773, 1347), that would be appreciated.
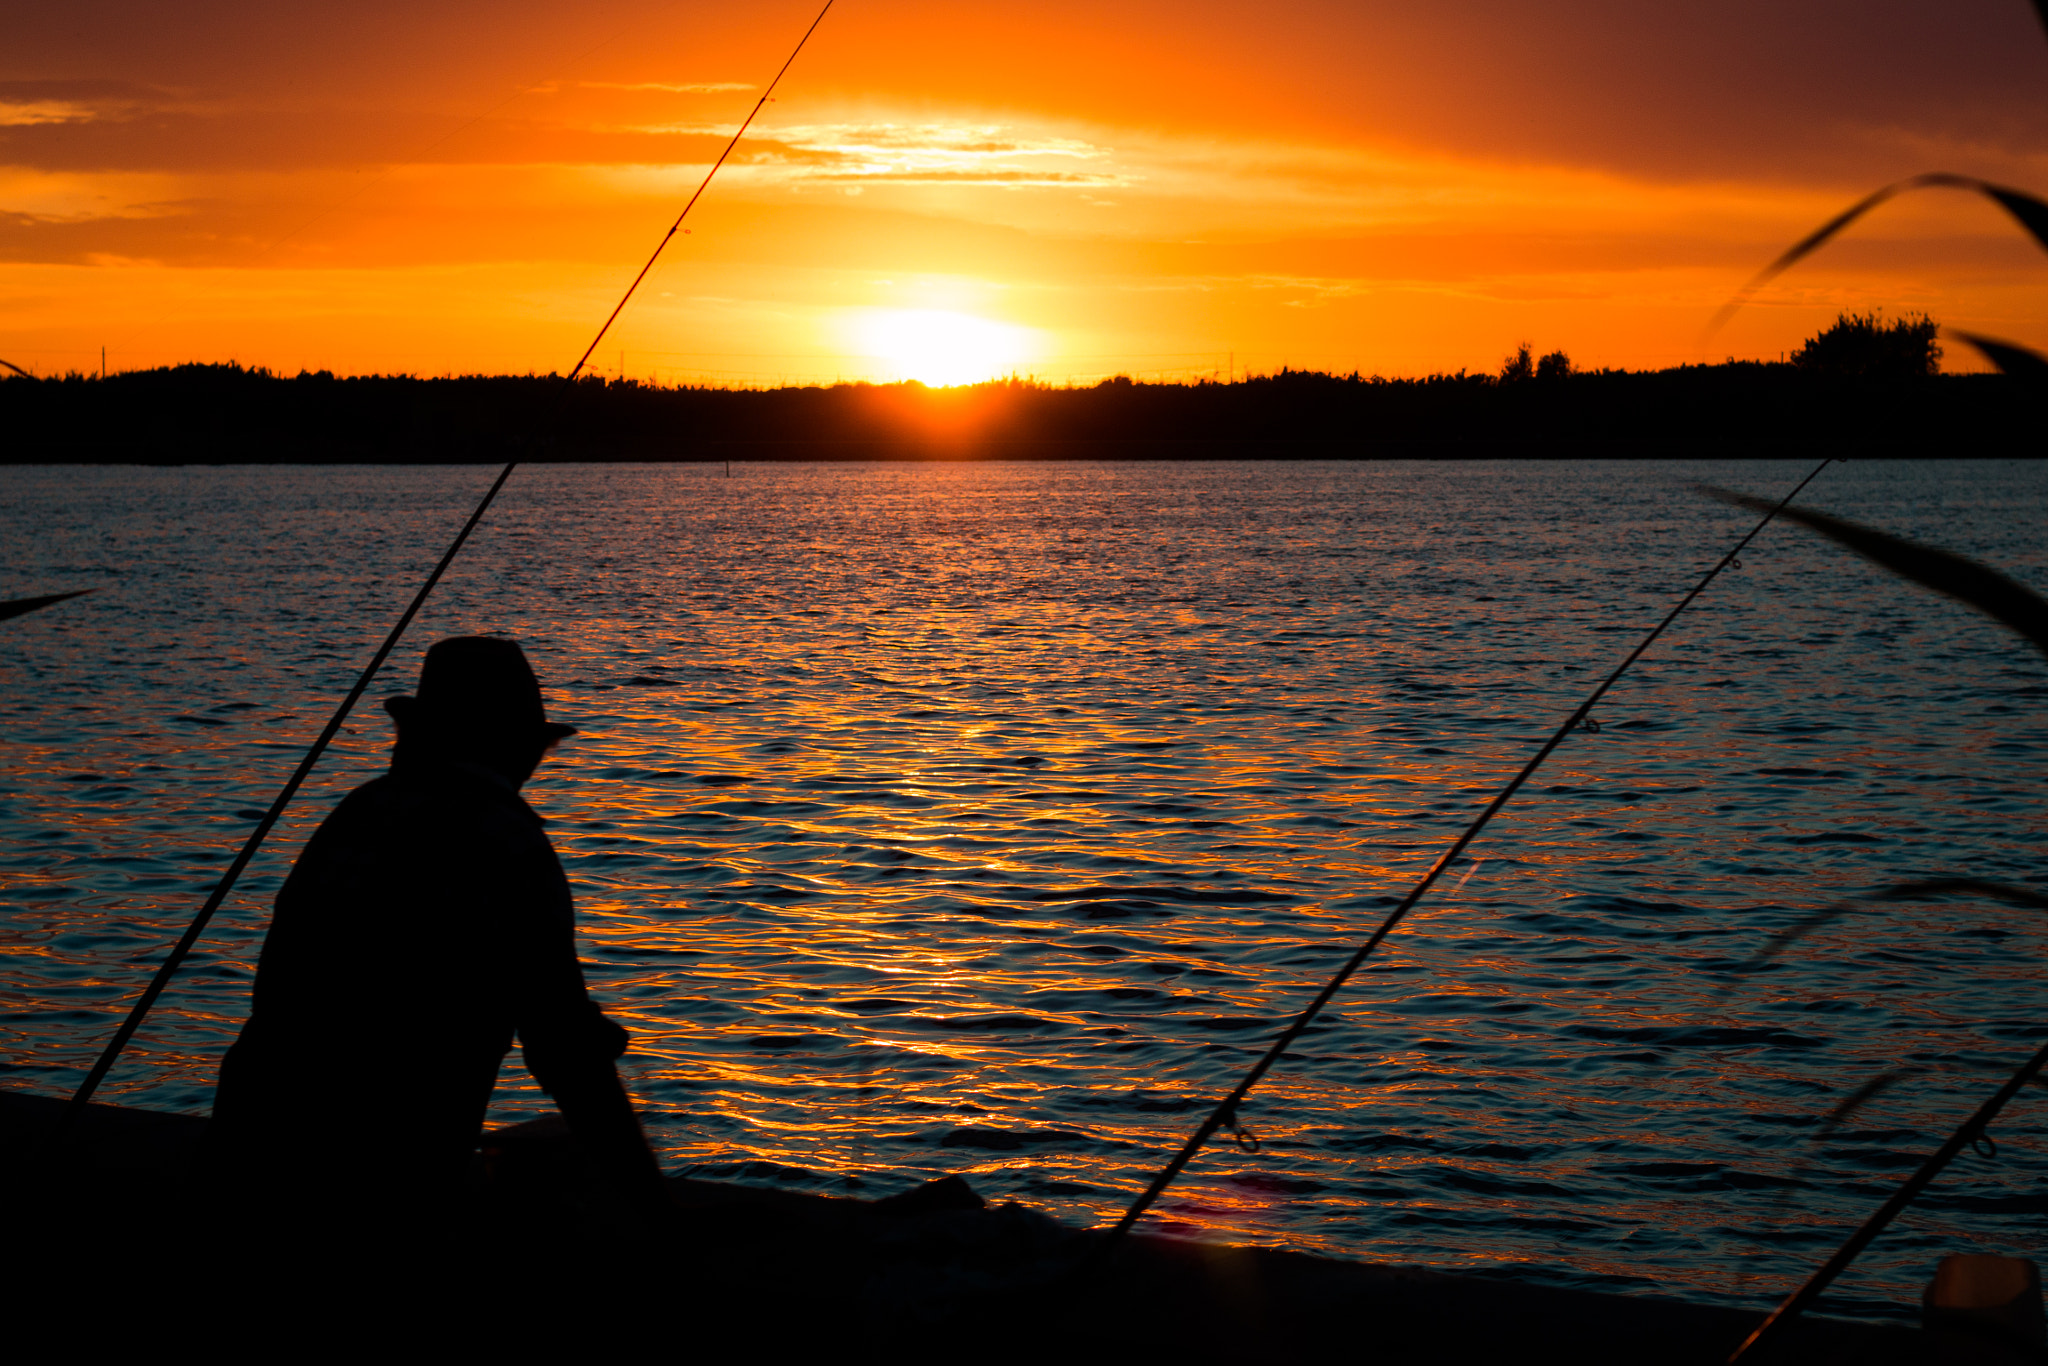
point(986, 818)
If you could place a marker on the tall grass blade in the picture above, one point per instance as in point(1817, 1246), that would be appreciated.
point(1798, 251)
point(1968, 1130)
point(1844, 1110)
point(1947, 886)
point(1904, 891)
point(1786, 938)
point(1983, 588)
point(2010, 357)
point(1860, 1097)
point(2031, 213)
point(17, 369)
point(14, 607)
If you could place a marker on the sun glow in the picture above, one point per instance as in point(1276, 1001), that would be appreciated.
point(937, 347)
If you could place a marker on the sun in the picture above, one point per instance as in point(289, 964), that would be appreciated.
point(938, 348)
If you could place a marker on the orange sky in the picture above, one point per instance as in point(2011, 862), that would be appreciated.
point(946, 190)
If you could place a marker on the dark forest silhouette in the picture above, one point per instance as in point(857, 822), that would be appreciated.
point(1860, 387)
point(1865, 346)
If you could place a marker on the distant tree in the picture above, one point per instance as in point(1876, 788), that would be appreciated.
point(1556, 365)
point(1864, 346)
point(1517, 367)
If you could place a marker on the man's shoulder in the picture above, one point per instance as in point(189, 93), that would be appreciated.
point(445, 799)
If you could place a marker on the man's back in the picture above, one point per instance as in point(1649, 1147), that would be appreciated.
point(426, 923)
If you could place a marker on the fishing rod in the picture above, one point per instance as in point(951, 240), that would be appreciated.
point(1226, 1110)
point(1969, 1132)
point(220, 891)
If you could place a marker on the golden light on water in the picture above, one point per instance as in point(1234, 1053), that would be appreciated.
point(986, 818)
point(940, 347)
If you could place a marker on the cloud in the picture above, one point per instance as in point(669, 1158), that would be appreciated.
point(30, 196)
point(927, 154)
point(28, 113)
point(28, 104)
point(697, 88)
point(1008, 179)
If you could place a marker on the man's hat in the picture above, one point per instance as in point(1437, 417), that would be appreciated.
point(475, 687)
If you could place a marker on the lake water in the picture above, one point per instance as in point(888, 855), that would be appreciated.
point(987, 818)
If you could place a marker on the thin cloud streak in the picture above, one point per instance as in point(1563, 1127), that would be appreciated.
point(697, 88)
point(27, 114)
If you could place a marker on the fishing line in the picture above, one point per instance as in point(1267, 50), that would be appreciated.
point(1225, 1113)
point(263, 827)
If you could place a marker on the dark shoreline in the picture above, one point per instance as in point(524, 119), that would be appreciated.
point(872, 1275)
point(227, 415)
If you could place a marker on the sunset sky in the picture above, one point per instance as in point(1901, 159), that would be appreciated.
point(946, 190)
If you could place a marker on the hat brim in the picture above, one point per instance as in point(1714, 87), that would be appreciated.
point(406, 710)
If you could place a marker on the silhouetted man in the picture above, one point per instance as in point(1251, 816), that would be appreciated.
point(426, 924)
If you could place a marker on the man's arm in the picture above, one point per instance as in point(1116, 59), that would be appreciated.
point(569, 1045)
point(579, 1073)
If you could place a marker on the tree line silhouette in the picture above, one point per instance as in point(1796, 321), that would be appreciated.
point(1863, 385)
